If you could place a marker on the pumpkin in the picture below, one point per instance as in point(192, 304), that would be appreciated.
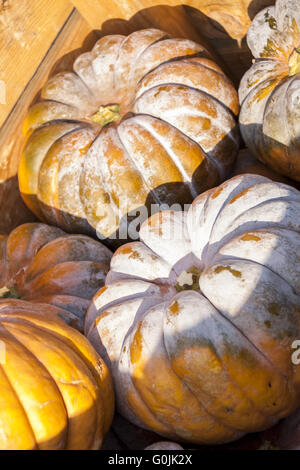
point(143, 119)
point(270, 91)
point(196, 320)
point(42, 264)
point(56, 392)
point(164, 445)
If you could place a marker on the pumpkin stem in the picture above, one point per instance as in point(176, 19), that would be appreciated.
point(189, 280)
point(9, 293)
point(107, 114)
point(294, 62)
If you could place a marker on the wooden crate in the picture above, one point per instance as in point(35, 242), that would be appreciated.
point(37, 39)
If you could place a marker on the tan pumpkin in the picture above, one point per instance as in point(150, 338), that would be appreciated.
point(56, 392)
point(43, 264)
point(270, 91)
point(196, 320)
point(142, 119)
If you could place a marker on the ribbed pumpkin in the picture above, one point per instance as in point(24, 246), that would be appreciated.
point(142, 119)
point(270, 91)
point(41, 263)
point(197, 319)
point(56, 392)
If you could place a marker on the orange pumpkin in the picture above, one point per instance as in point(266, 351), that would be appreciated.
point(270, 91)
point(56, 392)
point(42, 264)
point(142, 119)
point(198, 319)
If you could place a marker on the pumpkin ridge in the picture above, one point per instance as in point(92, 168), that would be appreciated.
point(116, 302)
point(201, 405)
point(18, 400)
point(224, 365)
point(256, 80)
point(210, 194)
point(76, 237)
point(291, 137)
point(52, 100)
point(259, 351)
point(138, 169)
point(60, 262)
point(137, 393)
point(38, 322)
point(105, 184)
point(171, 155)
point(120, 48)
point(206, 66)
point(102, 163)
point(48, 375)
point(186, 59)
point(214, 162)
point(276, 88)
point(64, 74)
point(69, 336)
point(29, 190)
point(54, 178)
point(64, 296)
point(80, 122)
point(226, 259)
point(57, 349)
point(91, 92)
point(197, 90)
point(209, 154)
point(167, 37)
point(34, 231)
point(71, 318)
point(131, 378)
point(96, 268)
point(226, 238)
point(137, 59)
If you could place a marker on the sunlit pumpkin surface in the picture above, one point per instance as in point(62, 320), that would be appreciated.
point(197, 320)
point(43, 264)
point(56, 392)
point(270, 91)
point(143, 119)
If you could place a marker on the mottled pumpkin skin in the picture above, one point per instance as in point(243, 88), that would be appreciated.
point(176, 135)
point(56, 391)
point(42, 264)
point(269, 92)
point(196, 320)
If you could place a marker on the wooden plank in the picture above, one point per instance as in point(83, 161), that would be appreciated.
point(27, 29)
point(75, 37)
